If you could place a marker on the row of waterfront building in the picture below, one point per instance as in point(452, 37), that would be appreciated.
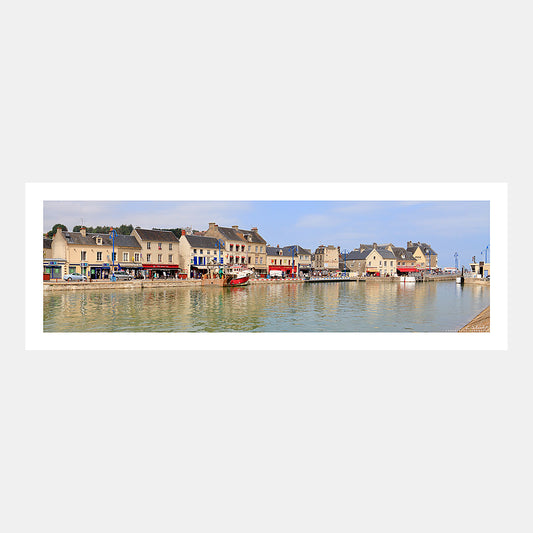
point(153, 253)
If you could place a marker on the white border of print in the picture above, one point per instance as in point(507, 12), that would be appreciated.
point(496, 193)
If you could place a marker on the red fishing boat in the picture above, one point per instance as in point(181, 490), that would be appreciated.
point(236, 280)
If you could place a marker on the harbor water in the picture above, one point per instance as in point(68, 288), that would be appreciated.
point(269, 307)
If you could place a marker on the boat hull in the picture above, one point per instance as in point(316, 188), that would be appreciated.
point(238, 282)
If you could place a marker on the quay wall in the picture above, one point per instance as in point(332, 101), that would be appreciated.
point(142, 284)
point(479, 324)
point(103, 285)
point(477, 281)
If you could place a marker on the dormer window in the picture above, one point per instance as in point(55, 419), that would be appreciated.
point(99, 240)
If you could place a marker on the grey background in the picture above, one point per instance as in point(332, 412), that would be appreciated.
point(267, 440)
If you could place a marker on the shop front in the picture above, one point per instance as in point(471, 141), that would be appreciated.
point(372, 271)
point(406, 271)
point(53, 269)
point(287, 271)
point(160, 271)
point(100, 271)
point(135, 269)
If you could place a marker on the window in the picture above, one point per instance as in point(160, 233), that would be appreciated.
point(256, 260)
point(98, 256)
point(384, 263)
point(249, 248)
point(159, 246)
point(208, 252)
point(201, 252)
point(125, 256)
point(148, 245)
point(136, 256)
point(170, 258)
point(261, 260)
point(256, 249)
point(195, 251)
point(159, 257)
point(83, 256)
point(114, 256)
point(231, 247)
point(148, 257)
point(170, 246)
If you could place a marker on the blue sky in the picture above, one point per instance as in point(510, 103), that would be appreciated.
point(449, 227)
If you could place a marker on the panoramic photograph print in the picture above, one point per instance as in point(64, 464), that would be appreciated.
point(266, 266)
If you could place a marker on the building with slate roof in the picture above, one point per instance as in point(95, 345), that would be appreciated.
point(94, 255)
point(197, 253)
point(423, 253)
point(302, 257)
point(380, 262)
point(241, 247)
point(159, 252)
point(356, 261)
point(279, 260)
point(405, 261)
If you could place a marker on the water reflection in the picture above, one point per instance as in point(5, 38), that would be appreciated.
point(277, 307)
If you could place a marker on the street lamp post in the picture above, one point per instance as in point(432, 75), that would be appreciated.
point(292, 260)
point(219, 242)
point(113, 233)
point(344, 252)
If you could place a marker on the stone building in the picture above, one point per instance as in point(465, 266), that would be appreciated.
point(423, 254)
point(327, 258)
point(159, 252)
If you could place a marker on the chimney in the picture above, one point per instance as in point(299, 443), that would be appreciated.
point(374, 245)
point(409, 244)
point(236, 228)
point(182, 232)
point(212, 225)
point(254, 230)
point(83, 231)
point(59, 230)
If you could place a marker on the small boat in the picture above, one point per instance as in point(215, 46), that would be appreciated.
point(236, 280)
point(230, 278)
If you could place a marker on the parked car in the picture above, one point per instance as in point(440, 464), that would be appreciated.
point(74, 277)
point(122, 276)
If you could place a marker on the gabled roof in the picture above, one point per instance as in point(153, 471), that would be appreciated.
point(357, 255)
point(230, 234)
point(274, 250)
point(156, 235)
point(386, 254)
point(298, 250)
point(121, 241)
point(399, 251)
point(253, 235)
point(426, 248)
point(75, 237)
point(200, 241)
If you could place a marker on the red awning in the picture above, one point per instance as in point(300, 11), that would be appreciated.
point(407, 269)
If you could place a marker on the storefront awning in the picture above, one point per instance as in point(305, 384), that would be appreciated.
point(407, 269)
point(160, 266)
point(372, 269)
point(130, 265)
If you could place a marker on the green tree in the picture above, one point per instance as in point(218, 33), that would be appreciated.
point(52, 232)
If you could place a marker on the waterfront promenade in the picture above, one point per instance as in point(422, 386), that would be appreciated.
point(145, 283)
